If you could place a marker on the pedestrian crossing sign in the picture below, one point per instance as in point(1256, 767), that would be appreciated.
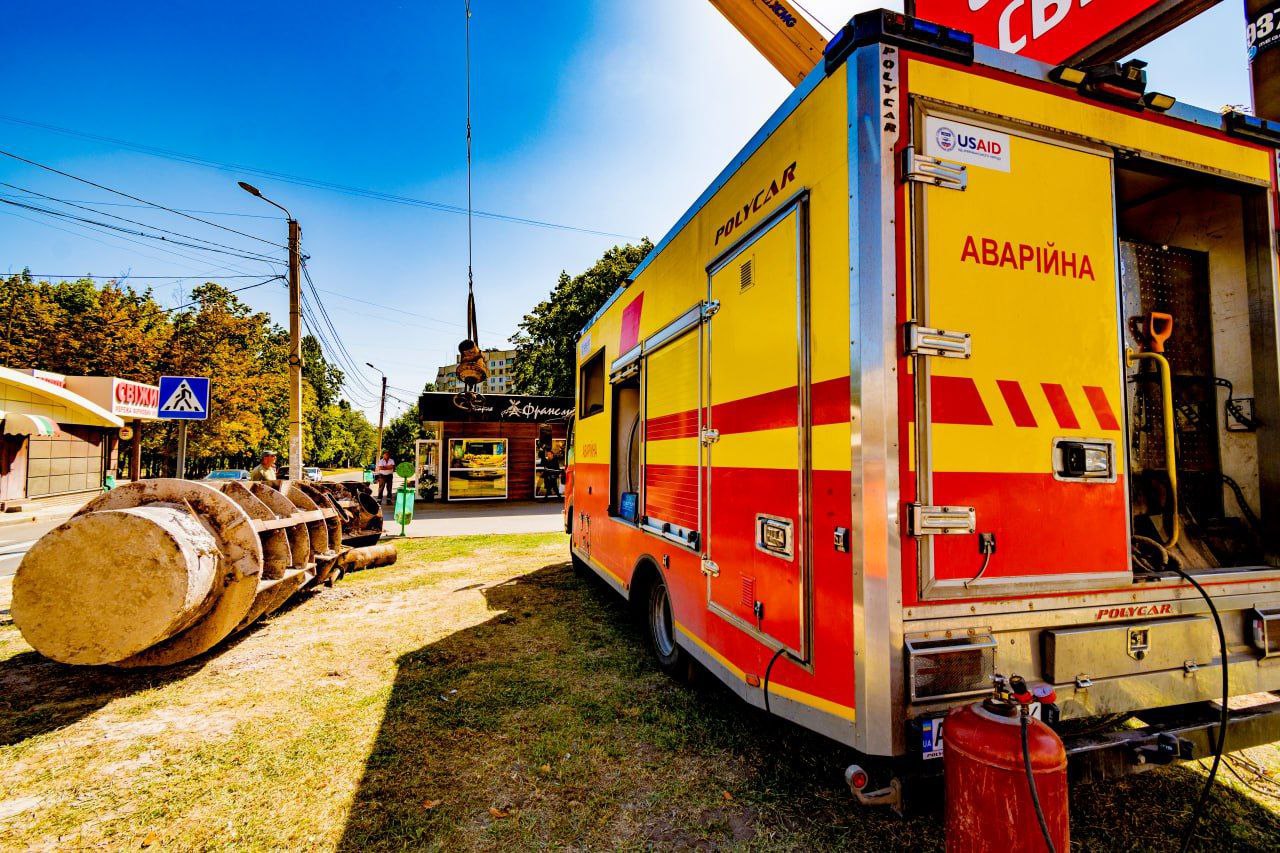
point(184, 398)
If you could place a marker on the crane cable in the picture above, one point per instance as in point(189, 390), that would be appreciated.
point(473, 332)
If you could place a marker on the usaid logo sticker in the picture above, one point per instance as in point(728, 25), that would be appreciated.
point(964, 143)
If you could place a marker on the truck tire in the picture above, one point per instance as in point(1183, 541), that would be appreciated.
point(661, 633)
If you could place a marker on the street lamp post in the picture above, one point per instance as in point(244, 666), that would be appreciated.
point(295, 335)
point(382, 411)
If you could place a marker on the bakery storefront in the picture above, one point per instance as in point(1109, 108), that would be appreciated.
point(53, 441)
point(512, 448)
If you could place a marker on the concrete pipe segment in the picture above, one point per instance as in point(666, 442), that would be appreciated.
point(158, 571)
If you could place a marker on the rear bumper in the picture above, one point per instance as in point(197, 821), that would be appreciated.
point(1193, 728)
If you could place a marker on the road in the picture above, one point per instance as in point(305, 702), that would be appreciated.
point(15, 539)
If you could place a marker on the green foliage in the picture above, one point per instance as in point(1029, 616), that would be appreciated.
point(545, 343)
point(401, 433)
point(82, 328)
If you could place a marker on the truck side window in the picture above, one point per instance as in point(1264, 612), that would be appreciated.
point(591, 386)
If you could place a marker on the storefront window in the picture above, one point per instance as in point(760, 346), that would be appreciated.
point(477, 469)
point(548, 467)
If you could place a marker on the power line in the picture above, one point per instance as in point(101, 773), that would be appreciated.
point(135, 198)
point(182, 209)
point(400, 311)
point(64, 215)
point(362, 398)
point(48, 276)
point(315, 183)
point(814, 18)
point(334, 345)
point(324, 313)
point(130, 221)
point(231, 290)
point(41, 222)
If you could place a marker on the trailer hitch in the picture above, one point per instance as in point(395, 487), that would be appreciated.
point(1166, 749)
point(890, 795)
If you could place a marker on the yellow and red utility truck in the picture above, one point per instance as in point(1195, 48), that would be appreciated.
point(964, 365)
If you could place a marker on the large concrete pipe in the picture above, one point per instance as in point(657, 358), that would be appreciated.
point(158, 571)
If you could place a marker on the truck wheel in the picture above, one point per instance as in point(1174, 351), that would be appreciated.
point(662, 632)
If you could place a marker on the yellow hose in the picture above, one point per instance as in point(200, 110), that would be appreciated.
point(1170, 443)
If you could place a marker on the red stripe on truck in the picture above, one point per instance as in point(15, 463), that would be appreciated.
point(1016, 400)
point(955, 400)
point(1101, 408)
point(1061, 406)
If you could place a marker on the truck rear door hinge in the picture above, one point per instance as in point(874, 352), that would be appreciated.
point(926, 520)
point(710, 436)
point(709, 567)
point(921, 340)
point(930, 170)
point(709, 309)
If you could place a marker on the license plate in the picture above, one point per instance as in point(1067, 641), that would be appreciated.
point(931, 737)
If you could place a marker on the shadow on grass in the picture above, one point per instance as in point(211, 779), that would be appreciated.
point(548, 725)
point(39, 695)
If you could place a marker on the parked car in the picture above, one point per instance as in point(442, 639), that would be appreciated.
point(311, 473)
point(228, 474)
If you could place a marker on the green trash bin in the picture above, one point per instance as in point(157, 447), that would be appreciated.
point(404, 507)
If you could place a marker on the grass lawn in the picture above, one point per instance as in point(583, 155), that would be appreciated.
point(478, 694)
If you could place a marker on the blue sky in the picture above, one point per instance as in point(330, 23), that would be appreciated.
point(603, 115)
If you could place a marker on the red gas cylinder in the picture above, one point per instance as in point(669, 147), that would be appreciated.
point(989, 803)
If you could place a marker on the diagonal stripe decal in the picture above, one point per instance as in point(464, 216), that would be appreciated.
point(1019, 408)
point(1057, 397)
point(1101, 407)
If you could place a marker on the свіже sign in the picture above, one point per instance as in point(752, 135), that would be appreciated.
point(1060, 30)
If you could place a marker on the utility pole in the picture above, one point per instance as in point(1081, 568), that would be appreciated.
point(295, 351)
point(295, 334)
point(382, 413)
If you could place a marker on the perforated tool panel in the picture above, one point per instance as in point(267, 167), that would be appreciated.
point(1174, 281)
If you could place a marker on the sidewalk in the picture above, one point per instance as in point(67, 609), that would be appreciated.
point(479, 518)
point(46, 509)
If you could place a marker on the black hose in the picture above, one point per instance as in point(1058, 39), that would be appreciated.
point(1226, 711)
point(1031, 781)
point(1245, 509)
point(767, 671)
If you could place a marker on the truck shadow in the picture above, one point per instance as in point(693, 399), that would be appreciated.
point(549, 725)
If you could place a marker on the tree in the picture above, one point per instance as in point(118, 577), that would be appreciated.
point(401, 433)
point(83, 328)
point(545, 359)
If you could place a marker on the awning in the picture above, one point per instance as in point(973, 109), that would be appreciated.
point(17, 423)
point(74, 408)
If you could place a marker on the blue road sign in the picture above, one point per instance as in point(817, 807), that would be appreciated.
point(184, 398)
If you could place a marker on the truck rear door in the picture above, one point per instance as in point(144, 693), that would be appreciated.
point(1018, 363)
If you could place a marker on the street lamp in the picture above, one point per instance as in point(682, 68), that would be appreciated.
point(382, 411)
point(295, 335)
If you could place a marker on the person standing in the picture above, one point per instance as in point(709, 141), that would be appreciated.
point(384, 472)
point(550, 474)
point(266, 469)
